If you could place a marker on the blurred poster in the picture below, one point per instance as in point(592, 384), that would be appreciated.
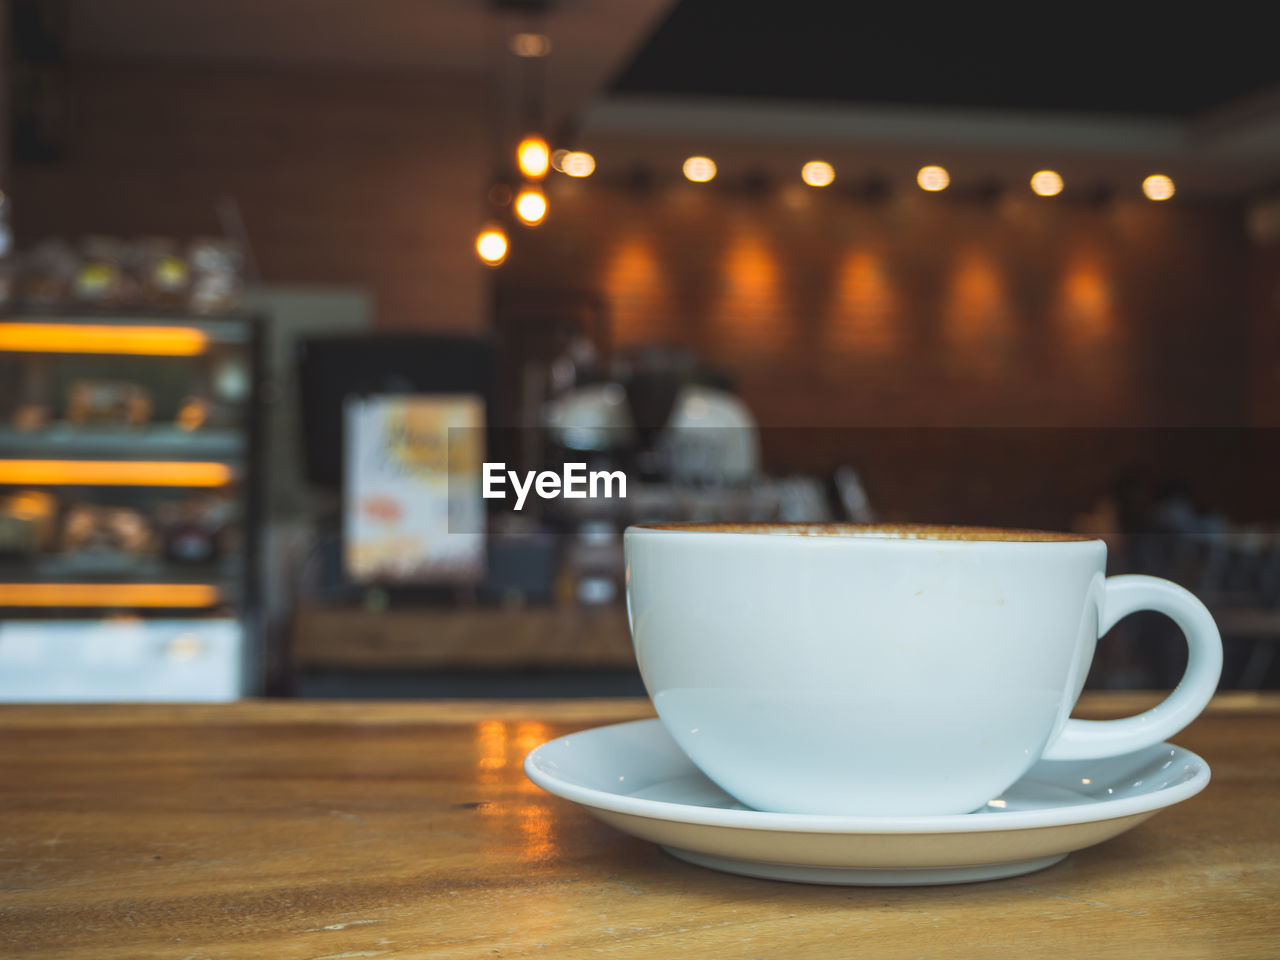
point(408, 482)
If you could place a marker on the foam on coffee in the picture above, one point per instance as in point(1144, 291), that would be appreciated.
point(876, 531)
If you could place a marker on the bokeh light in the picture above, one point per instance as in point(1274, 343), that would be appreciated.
point(1046, 183)
point(578, 164)
point(530, 44)
point(491, 245)
point(700, 169)
point(500, 194)
point(933, 178)
point(531, 206)
point(817, 173)
point(1158, 187)
point(533, 157)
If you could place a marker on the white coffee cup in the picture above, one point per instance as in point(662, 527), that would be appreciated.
point(890, 670)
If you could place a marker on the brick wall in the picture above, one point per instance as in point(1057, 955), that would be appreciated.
point(920, 309)
point(933, 311)
point(342, 177)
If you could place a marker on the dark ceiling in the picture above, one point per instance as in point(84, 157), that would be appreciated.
point(1127, 58)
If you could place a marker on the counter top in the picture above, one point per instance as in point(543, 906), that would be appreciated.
point(319, 831)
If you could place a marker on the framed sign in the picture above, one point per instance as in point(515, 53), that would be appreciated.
point(412, 509)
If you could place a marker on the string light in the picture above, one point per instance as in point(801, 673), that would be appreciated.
point(1158, 187)
point(491, 245)
point(817, 173)
point(531, 206)
point(533, 157)
point(1046, 183)
point(699, 169)
point(933, 178)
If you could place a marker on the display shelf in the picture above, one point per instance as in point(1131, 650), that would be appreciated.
point(162, 441)
point(96, 567)
point(94, 463)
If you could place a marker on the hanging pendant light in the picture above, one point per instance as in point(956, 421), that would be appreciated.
point(531, 205)
point(533, 157)
point(491, 245)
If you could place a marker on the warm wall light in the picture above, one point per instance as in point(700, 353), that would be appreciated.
point(864, 311)
point(1046, 183)
point(491, 245)
point(530, 44)
point(115, 473)
point(109, 595)
point(933, 178)
point(817, 173)
point(1158, 187)
point(638, 286)
point(699, 169)
point(531, 206)
point(751, 306)
point(976, 314)
point(140, 340)
point(1084, 308)
point(578, 164)
point(533, 157)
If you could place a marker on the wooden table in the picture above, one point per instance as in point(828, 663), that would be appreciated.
point(314, 830)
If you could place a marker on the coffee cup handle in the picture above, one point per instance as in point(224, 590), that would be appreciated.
point(1123, 595)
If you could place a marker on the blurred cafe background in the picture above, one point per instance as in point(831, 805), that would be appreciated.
point(278, 276)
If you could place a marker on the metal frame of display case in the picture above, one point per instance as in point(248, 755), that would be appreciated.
point(113, 449)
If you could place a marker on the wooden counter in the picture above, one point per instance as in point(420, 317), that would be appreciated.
point(468, 637)
point(288, 830)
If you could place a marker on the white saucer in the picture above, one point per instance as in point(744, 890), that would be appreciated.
point(634, 777)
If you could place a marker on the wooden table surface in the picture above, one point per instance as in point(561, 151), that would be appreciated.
point(315, 830)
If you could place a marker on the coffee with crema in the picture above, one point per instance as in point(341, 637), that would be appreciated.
point(882, 531)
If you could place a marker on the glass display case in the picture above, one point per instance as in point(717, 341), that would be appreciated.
point(129, 507)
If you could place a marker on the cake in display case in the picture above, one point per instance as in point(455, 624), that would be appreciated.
point(129, 506)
